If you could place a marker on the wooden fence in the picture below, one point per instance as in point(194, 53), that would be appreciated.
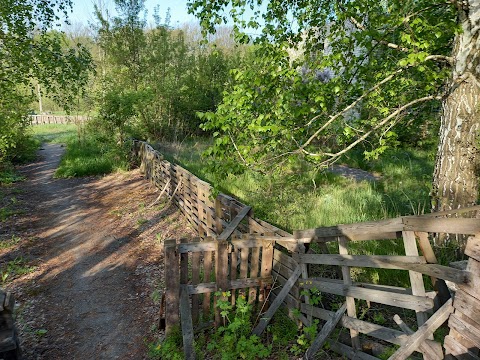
point(211, 263)
point(57, 119)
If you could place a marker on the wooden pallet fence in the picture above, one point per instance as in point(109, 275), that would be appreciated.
point(211, 216)
point(245, 255)
point(57, 119)
point(463, 340)
point(204, 266)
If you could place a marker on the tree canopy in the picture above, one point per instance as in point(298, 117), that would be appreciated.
point(32, 48)
point(328, 76)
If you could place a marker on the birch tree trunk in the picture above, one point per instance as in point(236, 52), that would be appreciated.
point(456, 175)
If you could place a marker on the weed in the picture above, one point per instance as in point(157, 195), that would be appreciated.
point(168, 349)
point(16, 268)
point(7, 243)
point(141, 221)
point(234, 339)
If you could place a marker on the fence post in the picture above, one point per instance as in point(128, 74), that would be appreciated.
point(172, 286)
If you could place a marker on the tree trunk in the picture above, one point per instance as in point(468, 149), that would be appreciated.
point(455, 182)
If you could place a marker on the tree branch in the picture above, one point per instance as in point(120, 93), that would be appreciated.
point(349, 107)
point(333, 156)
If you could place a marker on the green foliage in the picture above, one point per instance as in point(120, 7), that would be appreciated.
point(32, 50)
point(168, 349)
point(17, 267)
point(155, 79)
point(92, 155)
point(234, 339)
point(338, 74)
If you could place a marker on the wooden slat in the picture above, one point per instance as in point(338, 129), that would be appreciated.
point(254, 273)
point(452, 347)
point(322, 336)
point(350, 353)
point(416, 278)
point(467, 305)
point(265, 319)
point(244, 265)
point(266, 267)
point(172, 281)
point(187, 326)
point(381, 297)
point(285, 259)
point(228, 231)
point(414, 263)
point(374, 261)
point(207, 270)
point(195, 280)
point(350, 301)
point(221, 273)
point(373, 230)
point(380, 332)
point(472, 249)
point(466, 327)
point(442, 225)
point(438, 284)
point(233, 271)
point(431, 350)
point(423, 332)
point(207, 288)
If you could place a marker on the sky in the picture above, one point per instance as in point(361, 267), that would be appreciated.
point(83, 10)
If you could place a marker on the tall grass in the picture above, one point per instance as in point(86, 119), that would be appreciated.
point(86, 153)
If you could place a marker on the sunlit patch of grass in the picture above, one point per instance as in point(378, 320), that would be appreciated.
point(91, 156)
point(54, 133)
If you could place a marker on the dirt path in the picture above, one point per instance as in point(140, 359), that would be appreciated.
point(95, 244)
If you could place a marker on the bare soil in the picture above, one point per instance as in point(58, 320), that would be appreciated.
point(92, 248)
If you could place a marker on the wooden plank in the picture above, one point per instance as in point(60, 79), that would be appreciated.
point(416, 278)
point(197, 246)
point(266, 267)
point(187, 326)
point(265, 319)
point(172, 283)
point(413, 263)
point(183, 264)
point(473, 247)
point(467, 305)
point(227, 232)
point(249, 243)
point(207, 288)
point(195, 281)
point(254, 273)
point(322, 336)
point(218, 216)
point(349, 352)
point(282, 280)
point(233, 271)
point(452, 347)
point(423, 332)
point(373, 230)
point(374, 261)
point(207, 270)
point(431, 350)
point(380, 332)
point(473, 287)
point(350, 301)
point(221, 273)
point(244, 253)
point(438, 284)
point(442, 225)
point(466, 327)
point(381, 297)
point(285, 259)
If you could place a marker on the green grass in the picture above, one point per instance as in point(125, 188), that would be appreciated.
point(54, 133)
point(92, 156)
point(302, 198)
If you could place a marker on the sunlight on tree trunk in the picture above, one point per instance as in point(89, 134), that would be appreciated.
point(455, 182)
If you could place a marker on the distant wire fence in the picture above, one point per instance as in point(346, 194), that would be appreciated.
point(58, 119)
